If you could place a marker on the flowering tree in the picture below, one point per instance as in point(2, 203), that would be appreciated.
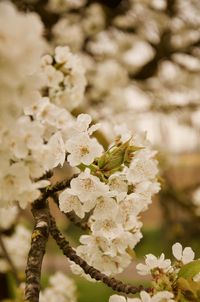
point(107, 184)
point(142, 66)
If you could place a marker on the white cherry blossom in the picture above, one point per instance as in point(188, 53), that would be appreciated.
point(8, 216)
point(185, 255)
point(108, 227)
point(56, 290)
point(118, 183)
point(17, 246)
point(104, 207)
point(82, 149)
point(117, 298)
point(68, 203)
point(55, 151)
point(87, 186)
point(16, 185)
point(64, 80)
point(20, 54)
point(27, 136)
point(152, 262)
point(163, 296)
point(142, 168)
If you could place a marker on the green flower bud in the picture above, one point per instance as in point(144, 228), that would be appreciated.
point(113, 159)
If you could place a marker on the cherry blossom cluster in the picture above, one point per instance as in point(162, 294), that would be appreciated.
point(64, 78)
point(128, 73)
point(29, 150)
point(61, 288)
point(113, 188)
point(11, 215)
point(20, 53)
point(17, 246)
point(171, 281)
point(21, 48)
point(34, 142)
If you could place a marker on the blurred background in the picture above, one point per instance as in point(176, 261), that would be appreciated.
point(142, 61)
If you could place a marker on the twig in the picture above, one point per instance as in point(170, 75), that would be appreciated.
point(70, 253)
point(49, 191)
point(9, 260)
point(46, 175)
point(35, 257)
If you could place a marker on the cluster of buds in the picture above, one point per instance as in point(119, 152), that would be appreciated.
point(113, 160)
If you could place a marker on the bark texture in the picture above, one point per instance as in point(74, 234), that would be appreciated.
point(35, 257)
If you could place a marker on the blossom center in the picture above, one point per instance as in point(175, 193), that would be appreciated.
point(84, 150)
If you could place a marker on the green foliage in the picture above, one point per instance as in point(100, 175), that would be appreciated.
point(90, 292)
point(189, 270)
point(188, 289)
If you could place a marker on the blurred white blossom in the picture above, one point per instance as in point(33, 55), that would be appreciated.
point(17, 246)
point(61, 288)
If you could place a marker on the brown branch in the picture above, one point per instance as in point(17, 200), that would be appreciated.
point(46, 175)
point(35, 257)
point(170, 108)
point(52, 189)
point(70, 253)
point(9, 260)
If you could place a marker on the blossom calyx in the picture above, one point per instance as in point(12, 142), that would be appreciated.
point(115, 157)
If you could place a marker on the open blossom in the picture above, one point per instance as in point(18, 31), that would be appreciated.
point(104, 206)
point(118, 183)
point(163, 296)
point(82, 125)
point(185, 255)
point(26, 136)
point(117, 298)
point(67, 32)
point(8, 217)
point(61, 288)
point(21, 47)
point(69, 202)
point(107, 227)
point(54, 154)
point(65, 80)
point(82, 149)
point(152, 262)
point(116, 202)
point(87, 186)
point(142, 168)
point(17, 246)
point(16, 185)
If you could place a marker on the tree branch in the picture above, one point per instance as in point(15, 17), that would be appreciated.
point(70, 253)
point(38, 246)
point(52, 189)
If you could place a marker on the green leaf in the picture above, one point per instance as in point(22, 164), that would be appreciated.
point(189, 270)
